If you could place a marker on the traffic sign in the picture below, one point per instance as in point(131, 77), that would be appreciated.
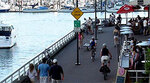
point(77, 23)
point(77, 13)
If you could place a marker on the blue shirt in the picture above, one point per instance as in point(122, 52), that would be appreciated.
point(43, 68)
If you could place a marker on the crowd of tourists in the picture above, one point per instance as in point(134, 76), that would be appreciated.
point(140, 25)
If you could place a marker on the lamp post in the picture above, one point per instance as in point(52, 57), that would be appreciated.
point(149, 11)
point(95, 20)
point(77, 42)
point(105, 9)
point(101, 5)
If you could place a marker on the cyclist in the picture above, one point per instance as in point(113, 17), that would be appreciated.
point(105, 55)
point(92, 46)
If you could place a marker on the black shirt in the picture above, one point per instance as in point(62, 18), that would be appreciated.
point(105, 51)
point(56, 71)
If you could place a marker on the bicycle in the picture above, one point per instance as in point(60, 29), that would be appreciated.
point(93, 53)
point(105, 69)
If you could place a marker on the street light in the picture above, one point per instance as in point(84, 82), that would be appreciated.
point(95, 20)
point(105, 9)
point(78, 63)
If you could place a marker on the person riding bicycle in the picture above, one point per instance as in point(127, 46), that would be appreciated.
point(92, 45)
point(105, 55)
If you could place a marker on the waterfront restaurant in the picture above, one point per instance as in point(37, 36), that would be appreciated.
point(134, 59)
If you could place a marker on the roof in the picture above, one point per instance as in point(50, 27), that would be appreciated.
point(6, 25)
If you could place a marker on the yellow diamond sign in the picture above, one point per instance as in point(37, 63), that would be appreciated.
point(77, 13)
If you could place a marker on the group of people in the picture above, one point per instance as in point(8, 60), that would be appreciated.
point(137, 54)
point(140, 25)
point(89, 25)
point(104, 53)
point(45, 72)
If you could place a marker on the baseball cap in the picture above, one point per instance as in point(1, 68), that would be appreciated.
point(54, 60)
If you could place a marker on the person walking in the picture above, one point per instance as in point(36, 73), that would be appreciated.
point(80, 36)
point(116, 36)
point(119, 19)
point(56, 72)
point(32, 73)
point(43, 71)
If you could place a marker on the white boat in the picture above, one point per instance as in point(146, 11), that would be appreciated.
point(7, 36)
point(87, 10)
point(66, 9)
point(116, 7)
point(112, 10)
point(37, 10)
point(4, 7)
point(84, 10)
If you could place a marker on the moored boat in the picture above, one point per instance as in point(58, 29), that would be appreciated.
point(37, 10)
point(7, 36)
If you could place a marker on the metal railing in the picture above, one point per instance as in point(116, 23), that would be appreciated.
point(50, 51)
point(137, 75)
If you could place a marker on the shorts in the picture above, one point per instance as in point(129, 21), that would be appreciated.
point(115, 37)
point(104, 58)
point(44, 79)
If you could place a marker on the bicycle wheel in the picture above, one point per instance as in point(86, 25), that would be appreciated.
point(105, 75)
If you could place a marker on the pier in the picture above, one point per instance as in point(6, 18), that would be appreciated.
point(88, 71)
point(64, 50)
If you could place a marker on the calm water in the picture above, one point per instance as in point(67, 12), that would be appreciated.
point(35, 32)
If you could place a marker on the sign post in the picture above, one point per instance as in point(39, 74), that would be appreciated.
point(77, 13)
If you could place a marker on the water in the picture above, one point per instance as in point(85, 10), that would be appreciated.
point(35, 32)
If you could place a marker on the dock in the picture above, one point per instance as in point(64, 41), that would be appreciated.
point(87, 71)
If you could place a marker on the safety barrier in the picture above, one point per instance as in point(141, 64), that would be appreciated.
point(49, 52)
point(138, 76)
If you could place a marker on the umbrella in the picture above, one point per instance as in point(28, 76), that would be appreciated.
point(125, 9)
point(146, 8)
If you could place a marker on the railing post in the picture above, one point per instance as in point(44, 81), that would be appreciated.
point(24, 70)
point(38, 59)
point(11, 79)
point(136, 76)
point(19, 75)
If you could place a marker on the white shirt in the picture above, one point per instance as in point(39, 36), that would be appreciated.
point(32, 74)
point(145, 23)
point(92, 40)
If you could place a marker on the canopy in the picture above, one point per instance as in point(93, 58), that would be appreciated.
point(146, 8)
point(125, 9)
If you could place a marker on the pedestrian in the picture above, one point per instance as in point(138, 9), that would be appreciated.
point(119, 19)
point(56, 72)
point(145, 25)
point(89, 24)
point(32, 73)
point(113, 19)
point(43, 70)
point(80, 37)
point(116, 34)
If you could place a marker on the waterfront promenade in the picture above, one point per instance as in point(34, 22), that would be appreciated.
point(88, 71)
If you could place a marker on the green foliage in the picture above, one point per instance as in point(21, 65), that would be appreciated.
point(147, 63)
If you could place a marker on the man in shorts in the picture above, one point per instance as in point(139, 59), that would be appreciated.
point(105, 55)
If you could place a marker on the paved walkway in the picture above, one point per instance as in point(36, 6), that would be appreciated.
point(88, 71)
